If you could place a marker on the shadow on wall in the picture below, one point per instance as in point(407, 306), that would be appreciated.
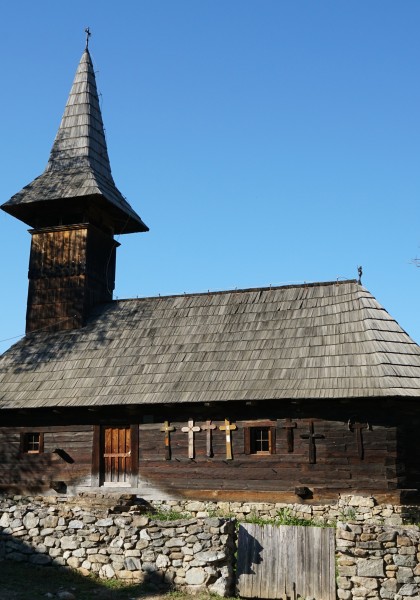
point(251, 553)
point(20, 563)
point(31, 473)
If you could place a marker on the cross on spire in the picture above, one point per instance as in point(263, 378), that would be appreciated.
point(88, 34)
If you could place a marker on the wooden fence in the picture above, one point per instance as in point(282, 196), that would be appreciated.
point(286, 562)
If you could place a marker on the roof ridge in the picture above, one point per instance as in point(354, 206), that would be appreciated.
point(240, 290)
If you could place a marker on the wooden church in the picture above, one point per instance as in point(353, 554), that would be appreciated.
point(295, 393)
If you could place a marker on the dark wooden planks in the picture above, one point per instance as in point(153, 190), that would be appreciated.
point(286, 562)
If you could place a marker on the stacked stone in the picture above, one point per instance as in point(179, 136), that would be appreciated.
point(195, 554)
point(357, 508)
point(377, 562)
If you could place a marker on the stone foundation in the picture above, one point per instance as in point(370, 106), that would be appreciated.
point(348, 508)
point(377, 556)
point(195, 554)
point(377, 562)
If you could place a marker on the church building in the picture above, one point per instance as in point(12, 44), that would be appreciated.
point(283, 394)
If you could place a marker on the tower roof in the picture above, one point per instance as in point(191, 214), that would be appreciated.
point(78, 170)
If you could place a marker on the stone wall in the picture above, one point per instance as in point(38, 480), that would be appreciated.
point(194, 553)
point(355, 508)
point(377, 562)
point(377, 557)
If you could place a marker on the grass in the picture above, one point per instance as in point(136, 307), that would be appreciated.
point(284, 516)
point(167, 515)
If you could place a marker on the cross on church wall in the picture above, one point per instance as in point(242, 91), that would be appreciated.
point(227, 428)
point(311, 437)
point(358, 427)
point(209, 427)
point(191, 429)
point(166, 429)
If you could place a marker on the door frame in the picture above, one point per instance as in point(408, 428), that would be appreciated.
point(97, 453)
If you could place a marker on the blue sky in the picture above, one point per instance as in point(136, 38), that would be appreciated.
point(263, 142)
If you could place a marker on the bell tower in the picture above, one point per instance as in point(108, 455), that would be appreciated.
point(74, 210)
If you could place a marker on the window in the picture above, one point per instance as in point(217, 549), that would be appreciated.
point(260, 440)
point(32, 442)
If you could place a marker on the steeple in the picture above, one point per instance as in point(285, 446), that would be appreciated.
point(77, 179)
point(75, 209)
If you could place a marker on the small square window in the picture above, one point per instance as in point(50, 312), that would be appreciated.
point(32, 442)
point(260, 440)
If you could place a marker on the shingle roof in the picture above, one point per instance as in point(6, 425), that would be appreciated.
point(327, 340)
point(78, 166)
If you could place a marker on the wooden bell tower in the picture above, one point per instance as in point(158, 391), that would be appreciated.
point(74, 209)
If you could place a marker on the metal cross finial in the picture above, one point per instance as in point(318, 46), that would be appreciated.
point(360, 272)
point(88, 34)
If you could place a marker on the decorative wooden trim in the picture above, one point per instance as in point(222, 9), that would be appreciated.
point(96, 455)
point(273, 439)
point(134, 433)
point(259, 423)
point(289, 425)
point(247, 440)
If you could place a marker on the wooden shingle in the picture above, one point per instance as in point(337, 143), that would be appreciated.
point(327, 340)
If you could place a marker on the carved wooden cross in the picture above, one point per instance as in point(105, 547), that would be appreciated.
point(190, 430)
point(166, 428)
point(357, 427)
point(289, 425)
point(311, 436)
point(208, 427)
point(228, 427)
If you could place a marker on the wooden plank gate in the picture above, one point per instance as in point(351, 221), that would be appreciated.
point(286, 562)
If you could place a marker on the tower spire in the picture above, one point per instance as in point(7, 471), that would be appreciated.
point(78, 174)
point(74, 208)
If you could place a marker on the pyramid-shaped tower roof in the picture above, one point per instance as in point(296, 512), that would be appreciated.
point(78, 174)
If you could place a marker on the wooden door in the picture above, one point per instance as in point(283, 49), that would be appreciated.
point(116, 456)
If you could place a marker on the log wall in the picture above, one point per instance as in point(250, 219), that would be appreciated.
point(389, 461)
point(71, 268)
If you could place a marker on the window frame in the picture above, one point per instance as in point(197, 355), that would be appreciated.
point(250, 430)
point(24, 443)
